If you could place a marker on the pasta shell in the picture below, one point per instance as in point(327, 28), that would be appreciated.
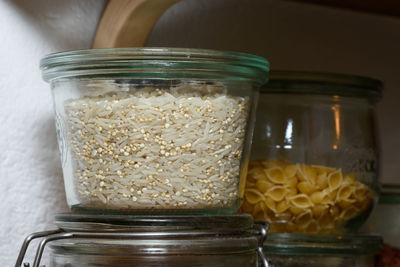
point(310, 174)
point(322, 180)
point(303, 219)
point(276, 193)
point(349, 179)
point(344, 192)
point(322, 169)
point(291, 191)
point(345, 203)
point(349, 213)
point(263, 185)
point(361, 192)
point(306, 187)
point(253, 196)
point(301, 201)
point(276, 175)
point(318, 210)
point(319, 197)
point(326, 200)
point(295, 210)
point(335, 180)
point(334, 211)
point(290, 170)
point(292, 181)
point(270, 204)
point(300, 174)
point(282, 206)
point(257, 174)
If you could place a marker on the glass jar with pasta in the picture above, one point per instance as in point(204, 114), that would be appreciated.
point(314, 165)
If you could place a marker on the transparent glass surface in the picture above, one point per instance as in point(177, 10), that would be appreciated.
point(154, 131)
point(174, 240)
point(59, 259)
point(314, 161)
point(293, 250)
point(320, 260)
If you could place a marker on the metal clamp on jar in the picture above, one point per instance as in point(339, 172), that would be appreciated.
point(90, 240)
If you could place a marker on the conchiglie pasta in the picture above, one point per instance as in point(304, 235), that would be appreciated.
point(263, 185)
point(282, 206)
point(270, 204)
point(290, 170)
point(276, 175)
point(344, 192)
point(276, 193)
point(335, 180)
point(306, 188)
point(319, 197)
point(253, 196)
point(303, 219)
point(322, 180)
point(301, 198)
point(318, 210)
point(302, 201)
point(310, 174)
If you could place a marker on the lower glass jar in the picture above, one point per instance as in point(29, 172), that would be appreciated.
point(292, 250)
point(155, 241)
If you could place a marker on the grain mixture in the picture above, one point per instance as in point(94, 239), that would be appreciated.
point(157, 149)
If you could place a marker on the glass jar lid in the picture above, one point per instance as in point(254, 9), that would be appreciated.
point(390, 194)
point(303, 82)
point(138, 235)
point(293, 244)
point(134, 223)
point(155, 63)
point(82, 237)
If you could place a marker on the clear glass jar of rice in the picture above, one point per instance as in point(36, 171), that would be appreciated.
point(314, 165)
point(154, 130)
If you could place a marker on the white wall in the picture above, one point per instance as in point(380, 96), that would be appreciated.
point(31, 185)
point(290, 35)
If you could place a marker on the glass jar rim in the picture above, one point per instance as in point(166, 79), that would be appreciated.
point(173, 234)
point(153, 223)
point(351, 244)
point(142, 246)
point(155, 63)
point(304, 82)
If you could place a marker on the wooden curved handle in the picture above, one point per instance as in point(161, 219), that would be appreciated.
point(127, 23)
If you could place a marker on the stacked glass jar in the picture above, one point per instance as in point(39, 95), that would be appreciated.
point(314, 163)
point(160, 135)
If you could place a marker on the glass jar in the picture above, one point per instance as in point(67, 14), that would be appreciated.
point(314, 165)
point(124, 240)
point(293, 250)
point(159, 130)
